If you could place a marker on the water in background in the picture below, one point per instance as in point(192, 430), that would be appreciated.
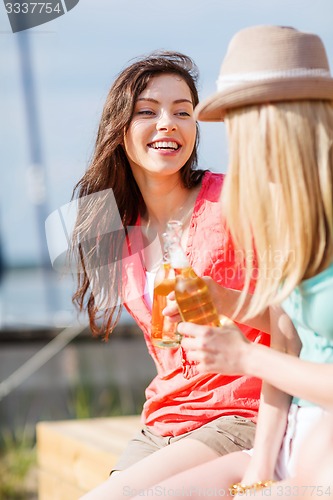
point(35, 298)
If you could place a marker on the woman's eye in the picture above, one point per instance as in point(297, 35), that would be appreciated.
point(145, 112)
point(183, 113)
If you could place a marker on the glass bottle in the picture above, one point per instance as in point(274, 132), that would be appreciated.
point(192, 294)
point(163, 331)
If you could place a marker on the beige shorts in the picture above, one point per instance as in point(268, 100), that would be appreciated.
point(224, 435)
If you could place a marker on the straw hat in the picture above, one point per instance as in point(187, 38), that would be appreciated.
point(267, 64)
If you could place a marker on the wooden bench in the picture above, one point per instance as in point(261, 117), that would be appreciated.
point(74, 456)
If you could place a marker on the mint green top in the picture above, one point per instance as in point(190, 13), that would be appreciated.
point(310, 307)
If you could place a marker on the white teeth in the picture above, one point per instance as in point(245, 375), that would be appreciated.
point(164, 145)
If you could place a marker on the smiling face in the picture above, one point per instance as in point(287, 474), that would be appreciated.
point(161, 135)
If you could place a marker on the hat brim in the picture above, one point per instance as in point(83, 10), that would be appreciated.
point(213, 108)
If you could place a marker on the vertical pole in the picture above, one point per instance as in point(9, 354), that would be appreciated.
point(36, 169)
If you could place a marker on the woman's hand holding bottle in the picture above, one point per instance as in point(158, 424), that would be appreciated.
point(217, 293)
point(215, 349)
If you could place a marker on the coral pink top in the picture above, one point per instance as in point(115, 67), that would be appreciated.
point(179, 399)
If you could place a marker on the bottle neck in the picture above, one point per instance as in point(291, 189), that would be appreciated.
point(172, 246)
point(177, 257)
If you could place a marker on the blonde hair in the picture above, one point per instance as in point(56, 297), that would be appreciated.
point(278, 195)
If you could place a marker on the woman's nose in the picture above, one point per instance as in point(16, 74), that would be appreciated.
point(166, 121)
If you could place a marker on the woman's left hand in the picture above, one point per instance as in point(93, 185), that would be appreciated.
point(215, 349)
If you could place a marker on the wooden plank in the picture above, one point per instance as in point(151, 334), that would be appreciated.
point(51, 487)
point(82, 452)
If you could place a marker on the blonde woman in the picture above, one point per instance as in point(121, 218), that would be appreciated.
point(275, 96)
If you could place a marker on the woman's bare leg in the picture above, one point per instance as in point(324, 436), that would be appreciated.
point(153, 469)
point(209, 480)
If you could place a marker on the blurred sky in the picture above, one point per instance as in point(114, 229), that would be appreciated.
point(75, 59)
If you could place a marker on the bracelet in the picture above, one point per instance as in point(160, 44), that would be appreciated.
point(240, 488)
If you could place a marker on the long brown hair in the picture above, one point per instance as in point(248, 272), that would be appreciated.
point(96, 249)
